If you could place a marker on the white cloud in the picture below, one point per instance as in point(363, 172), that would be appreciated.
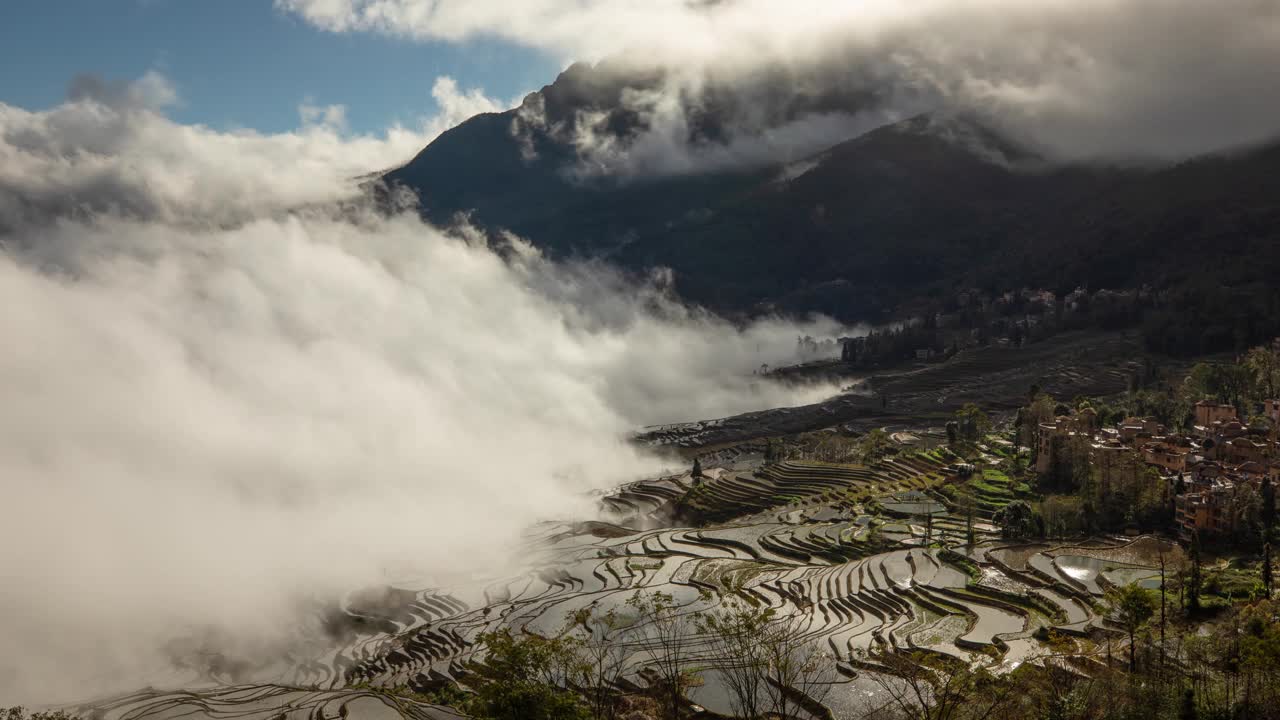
point(1084, 78)
point(457, 105)
point(152, 91)
point(217, 408)
point(332, 117)
point(111, 148)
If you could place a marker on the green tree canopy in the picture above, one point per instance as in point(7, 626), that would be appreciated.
point(1131, 606)
point(523, 678)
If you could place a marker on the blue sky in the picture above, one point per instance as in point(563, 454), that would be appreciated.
point(242, 63)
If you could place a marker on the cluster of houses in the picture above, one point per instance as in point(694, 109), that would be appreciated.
point(1204, 469)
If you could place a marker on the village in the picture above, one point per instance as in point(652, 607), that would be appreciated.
point(1216, 477)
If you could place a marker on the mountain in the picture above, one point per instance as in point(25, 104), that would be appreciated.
point(905, 211)
point(514, 170)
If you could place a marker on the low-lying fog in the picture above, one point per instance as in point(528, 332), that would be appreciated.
point(215, 411)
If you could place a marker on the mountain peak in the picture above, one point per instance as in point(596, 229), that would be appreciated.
point(969, 132)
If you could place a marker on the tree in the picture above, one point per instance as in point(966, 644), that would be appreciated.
point(1193, 582)
point(1063, 515)
point(1132, 607)
point(1268, 515)
point(972, 423)
point(524, 677)
point(1069, 465)
point(664, 634)
point(873, 444)
point(1264, 366)
point(735, 629)
point(1041, 410)
point(1223, 382)
point(1267, 580)
point(1245, 510)
point(766, 661)
point(697, 469)
point(795, 664)
point(1256, 644)
point(603, 658)
point(1019, 520)
point(1188, 709)
point(1162, 609)
point(925, 686)
point(969, 502)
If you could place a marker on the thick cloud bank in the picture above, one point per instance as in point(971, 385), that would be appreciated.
point(215, 409)
point(1081, 78)
point(110, 149)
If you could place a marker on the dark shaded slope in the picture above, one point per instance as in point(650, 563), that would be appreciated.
point(479, 166)
point(875, 221)
point(1215, 216)
point(902, 213)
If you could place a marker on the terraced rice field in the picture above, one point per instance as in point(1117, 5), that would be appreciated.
point(266, 701)
point(796, 485)
point(856, 584)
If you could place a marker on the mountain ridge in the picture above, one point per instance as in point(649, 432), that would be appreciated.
point(865, 226)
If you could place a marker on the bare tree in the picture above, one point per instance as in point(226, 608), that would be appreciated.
point(799, 669)
point(766, 659)
point(734, 631)
point(666, 636)
point(603, 658)
point(927, 686)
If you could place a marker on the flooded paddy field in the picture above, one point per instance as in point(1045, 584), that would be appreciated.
point(865, 560)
